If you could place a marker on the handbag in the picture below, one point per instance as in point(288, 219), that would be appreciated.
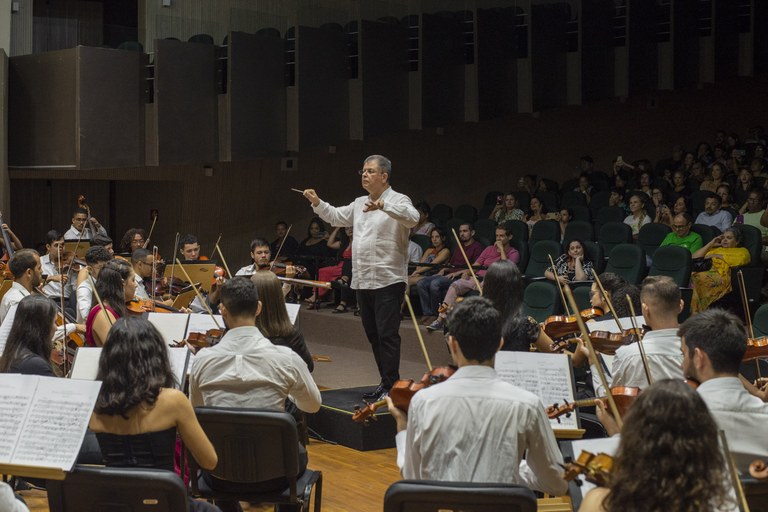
point(701, 264)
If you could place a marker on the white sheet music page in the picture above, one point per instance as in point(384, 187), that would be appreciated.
point(547, 376)
point(172, 327)
point(16, 393)
point(293, 311)
point(5, 329)
point(202, 322)
point(179, 357)
point(86, 364)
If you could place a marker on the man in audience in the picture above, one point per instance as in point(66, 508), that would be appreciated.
point(713, 215)
point(681, 234)
point(501, 250)
point(27, 275)
point(432, 288)
point(714, 343)
point(79, 230)
point(290, 245)
point(474, 427)
point(661, 303)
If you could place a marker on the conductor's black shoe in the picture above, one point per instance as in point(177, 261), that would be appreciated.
point(380, 389)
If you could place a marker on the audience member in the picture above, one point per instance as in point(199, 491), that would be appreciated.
point(638, 217)
point(715, 179)
point(713, 215)
point(724, 251)
point(536, 213)
point(573, 265)
point(284, 243)
point(424, 226)
point(507, 210)
point(681, 234)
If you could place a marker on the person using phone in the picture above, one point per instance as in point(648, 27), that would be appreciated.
point(506, 210)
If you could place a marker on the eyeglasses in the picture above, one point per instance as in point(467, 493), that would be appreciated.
point(367, 171)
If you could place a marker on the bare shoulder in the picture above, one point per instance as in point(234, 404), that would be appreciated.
point(593, 501)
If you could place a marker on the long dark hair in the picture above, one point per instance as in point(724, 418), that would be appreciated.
point(503, 285)
point(31, 329)
point(669, 444)
point(110, 285)
point(273, 320)
point(133, 367)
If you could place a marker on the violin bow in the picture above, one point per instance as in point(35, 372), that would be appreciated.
point(608, 301)
point(274, 260)
point(151, 229)
point(214, 247)
point(306, 282)
point(418, 331)
point(199, 295)
point(747, 316)
point(155, 255)
point(559, 285)
point(743, 506)
point(61, 304)
point(639, 340)
point(173, 265)
point(593, 355)
point(226, 267)
point(98, 299)
point(469, 265)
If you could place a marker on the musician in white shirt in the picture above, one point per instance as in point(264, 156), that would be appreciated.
point(79, 230)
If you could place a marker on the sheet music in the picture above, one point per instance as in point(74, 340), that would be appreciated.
point(610, 325)
point(179, 358)
point(293, 312)
point(203, 323)
point(5, 329)
point(86, 363)
point(547, 376)
point(172, 327)
point(16, 393)
point(56, 422)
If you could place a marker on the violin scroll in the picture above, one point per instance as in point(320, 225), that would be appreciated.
point(758, 469)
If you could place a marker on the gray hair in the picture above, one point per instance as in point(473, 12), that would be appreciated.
point(382, 162)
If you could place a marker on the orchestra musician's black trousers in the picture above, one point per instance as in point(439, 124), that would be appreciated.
point(380, 313)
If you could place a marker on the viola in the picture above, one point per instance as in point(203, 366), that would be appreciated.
point(74, 341)
point(623, 396)
point(608, 342)
point(595, 468)
point(559, 326)
point(756, 347)
point(198, 340)
point(402, 391)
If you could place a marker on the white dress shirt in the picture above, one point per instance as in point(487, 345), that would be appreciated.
point(12, 297)
point(73, 234)
point(414, 252)
point(742, 416)
point(84, 294)
point(380, 244)
point(247, 270)
point(8, 502)
point(474, 427)
point(664, 355)
point(141, 292)
point(246, 370)
point(53, 288)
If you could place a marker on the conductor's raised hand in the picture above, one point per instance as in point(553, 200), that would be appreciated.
point(312, 196)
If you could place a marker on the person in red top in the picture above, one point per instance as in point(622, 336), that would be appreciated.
point(501, 250)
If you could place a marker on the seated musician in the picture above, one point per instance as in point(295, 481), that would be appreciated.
point(29, 347)
point(611, 283)
point(246, 370)
point(142, 261)
point(288, 243)
point(714, 343)
point(103, 241)
point(502, 420)
point(133, 239)
point(52, 262)
point(501, 250)
point(114, 287)
point(668, 457)
point(79, 230)
point(189, 250)
point(15, 242)
point(27, 276)
point(661, 304)
point(189, 247)
point(260, 255)
point(95, 259)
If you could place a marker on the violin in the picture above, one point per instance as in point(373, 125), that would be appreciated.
point(74, 340)
point(146, 306)
point(401, 393)
point(279, 269)
point(756, 347)
point(595, 468)
point(623, 396)
point(198, 340)
point(559, 326)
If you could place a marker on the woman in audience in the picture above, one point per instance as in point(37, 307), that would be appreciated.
point(645, 182)
point(340, 241)
point(564, 217)
point(726, 200)
point(273, 321)
point(617, 199)
point(508, 210)
point(115, 286)
point(438, 254)
point(29, 348)
point(669, 429)
point(424, 226)
point(724, 251)
point(311, 252)
point(663, 213)
point(573, 265)
point(138, 412)
point(637, 217)
point(716, 175)
point(536, 213)
point(688, 160)
point(680, 184)
point(744, 184)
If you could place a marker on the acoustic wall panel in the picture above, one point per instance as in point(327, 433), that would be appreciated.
point(496, 62)
point(549, 44)
point(442, 70)
point(685, 41)
point(186, 103)
point(597, 59)
point(642, 47)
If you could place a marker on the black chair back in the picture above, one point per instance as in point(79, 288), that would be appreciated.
point(430, 496)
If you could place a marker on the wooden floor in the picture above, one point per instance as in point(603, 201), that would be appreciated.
point(352, 481)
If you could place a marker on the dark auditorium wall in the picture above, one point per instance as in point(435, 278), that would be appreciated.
point(244, 199)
